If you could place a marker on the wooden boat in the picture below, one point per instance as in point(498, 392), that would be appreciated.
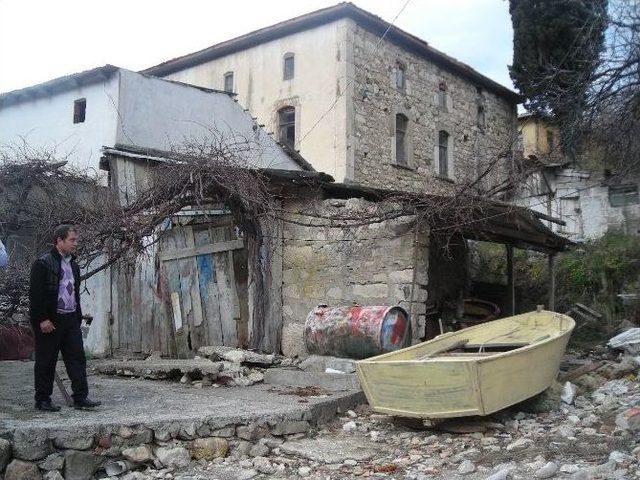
point(474, 371)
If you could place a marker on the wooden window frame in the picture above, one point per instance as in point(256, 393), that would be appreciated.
point(287, 126)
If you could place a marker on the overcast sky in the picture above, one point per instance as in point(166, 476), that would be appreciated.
point(44, 39)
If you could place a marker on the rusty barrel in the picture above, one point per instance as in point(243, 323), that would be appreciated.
point(357, 331)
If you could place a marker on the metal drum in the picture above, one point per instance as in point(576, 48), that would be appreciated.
point(356, 332)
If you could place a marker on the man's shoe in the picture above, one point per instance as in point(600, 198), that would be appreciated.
point(85, 404)
point(47, 406)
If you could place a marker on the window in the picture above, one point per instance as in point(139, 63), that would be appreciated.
point(549, 140)
point(442, 95)
point(400, 77)
point(79, 110)
point(288, 68)
point(443, 153)
point(287, 125)
point(228, 82)
point(401, 139)
point(622, 195)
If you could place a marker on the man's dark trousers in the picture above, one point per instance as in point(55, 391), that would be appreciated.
point(66, 338)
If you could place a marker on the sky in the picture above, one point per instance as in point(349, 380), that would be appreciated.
point(45, 39)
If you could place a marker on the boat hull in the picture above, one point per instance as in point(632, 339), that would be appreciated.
point(419, 382)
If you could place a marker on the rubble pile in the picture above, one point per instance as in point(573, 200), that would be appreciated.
point(214, 366)
point(586, 428)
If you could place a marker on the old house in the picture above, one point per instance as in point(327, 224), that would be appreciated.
point(77, 116)
point(73, 117)
point(589, 202)
point(362, 100)
point(208, 282)
point(380, 110)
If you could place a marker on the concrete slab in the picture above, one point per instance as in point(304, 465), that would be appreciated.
point(330, 450)
point(297, 378)
point(131, 401)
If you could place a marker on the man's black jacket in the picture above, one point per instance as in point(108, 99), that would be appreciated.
point(43, 287)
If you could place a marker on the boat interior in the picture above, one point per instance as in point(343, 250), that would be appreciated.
point(488, 339)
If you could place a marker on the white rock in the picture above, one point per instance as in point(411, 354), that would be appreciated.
point(352, 414)
point(247, 474)
point(349, 426)
point(619, 457)
point(262, 465)
point(547, 471)
point(569, 468)
point(173, 456)
point(304, 471)
point(519, 444)
point(466, 467)
point(500, 475)
point(568, 394)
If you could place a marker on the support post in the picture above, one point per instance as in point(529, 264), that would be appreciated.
point(552, 282)
point(511, 288)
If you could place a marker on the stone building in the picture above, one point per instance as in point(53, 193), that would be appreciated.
point(205, 282)
point(362, 100)
point(587, 202)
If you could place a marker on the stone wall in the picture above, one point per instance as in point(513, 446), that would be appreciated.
point(369, 265)
point(377, 100)
point(92, 451)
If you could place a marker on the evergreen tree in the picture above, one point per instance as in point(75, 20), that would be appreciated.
point(556, 50)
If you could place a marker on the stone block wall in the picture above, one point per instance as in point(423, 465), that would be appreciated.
point(369, 265)
point(377, 100)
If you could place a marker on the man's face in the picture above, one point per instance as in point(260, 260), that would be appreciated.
point(69, 244)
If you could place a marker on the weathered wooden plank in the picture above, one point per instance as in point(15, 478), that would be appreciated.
point(208, 290)
point(198, 330)
point(165, 336)
point(186, 272)
point(187, 252)
point(225, 286)
point(114, 338)
point(136, 319)
point(129, 182)
point(147, 300)
point(172, 272)
point(240, 265)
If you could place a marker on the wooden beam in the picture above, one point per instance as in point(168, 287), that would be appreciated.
point(202, 250)
point(511, 290)
point(552, 282)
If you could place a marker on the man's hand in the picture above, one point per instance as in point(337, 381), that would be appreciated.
point(46, 326)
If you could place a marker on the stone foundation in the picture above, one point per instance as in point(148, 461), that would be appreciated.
point(84, 453)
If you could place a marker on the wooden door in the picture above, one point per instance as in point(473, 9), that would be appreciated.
point(204, 271)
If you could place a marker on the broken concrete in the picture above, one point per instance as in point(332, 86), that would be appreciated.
point(235, 355)
point(297, 378)
point(326, 450)
point(142, 421)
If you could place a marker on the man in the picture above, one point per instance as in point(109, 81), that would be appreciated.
point(54, 296)
point(3, 256)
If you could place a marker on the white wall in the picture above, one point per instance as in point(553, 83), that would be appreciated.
point(320, 73)
point(47, 124)
point(163, 115)
point(582, 201)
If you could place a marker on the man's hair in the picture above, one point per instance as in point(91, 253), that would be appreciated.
point(62, 232)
